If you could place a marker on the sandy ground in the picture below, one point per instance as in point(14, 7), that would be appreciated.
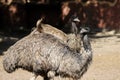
point(105, 65)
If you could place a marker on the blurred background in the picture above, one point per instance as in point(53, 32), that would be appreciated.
point(18, 17)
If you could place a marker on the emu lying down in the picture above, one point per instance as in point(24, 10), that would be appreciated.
point(44, 54)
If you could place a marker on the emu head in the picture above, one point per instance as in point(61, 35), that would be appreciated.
point(84, 30)
point(74, 24)
point(84, 37)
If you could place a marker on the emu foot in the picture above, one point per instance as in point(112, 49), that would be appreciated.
point(34, 77)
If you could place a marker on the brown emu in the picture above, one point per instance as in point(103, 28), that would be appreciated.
point(44, 54)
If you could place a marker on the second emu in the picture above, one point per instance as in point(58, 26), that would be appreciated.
point(72, 39)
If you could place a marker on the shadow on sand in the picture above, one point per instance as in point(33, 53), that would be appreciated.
point(5, 43)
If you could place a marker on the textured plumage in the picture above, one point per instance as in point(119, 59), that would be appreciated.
point(72, 40)
point(43, 53)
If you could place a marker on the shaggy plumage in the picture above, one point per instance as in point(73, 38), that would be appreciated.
point(43, 53)
point(46, 28)
point(72, 40)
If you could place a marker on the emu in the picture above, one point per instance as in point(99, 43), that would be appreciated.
point(44, 54)
point(73, 39)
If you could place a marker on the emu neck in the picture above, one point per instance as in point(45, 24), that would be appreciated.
point(86, 43)
point(87, 53)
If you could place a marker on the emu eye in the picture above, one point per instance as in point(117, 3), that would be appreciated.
point(87, 29)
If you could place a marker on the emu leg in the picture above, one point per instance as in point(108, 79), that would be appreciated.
point(46, 78)
point(34, 77)
point(59, 77)
point(76, 79)
point(51, 75)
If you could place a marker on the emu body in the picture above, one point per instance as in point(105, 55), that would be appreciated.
point(43, 53)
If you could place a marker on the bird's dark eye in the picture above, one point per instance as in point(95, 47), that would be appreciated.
point(88, 29)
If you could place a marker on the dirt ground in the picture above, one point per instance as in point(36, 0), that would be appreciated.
point(105, 65)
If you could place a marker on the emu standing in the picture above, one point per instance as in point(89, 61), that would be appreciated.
point(43, 54)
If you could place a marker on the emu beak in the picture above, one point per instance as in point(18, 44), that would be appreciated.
point(76, 20)
point(85, 30)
